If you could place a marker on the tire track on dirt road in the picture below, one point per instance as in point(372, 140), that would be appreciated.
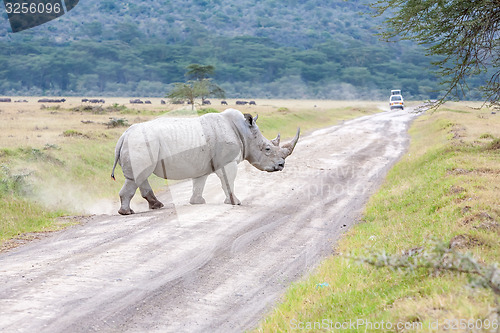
point(203, 268)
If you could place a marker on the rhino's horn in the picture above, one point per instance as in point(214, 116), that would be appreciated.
point(276, 141)
point(289, 146)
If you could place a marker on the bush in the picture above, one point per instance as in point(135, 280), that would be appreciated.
point(487, 136)
point(13, 184)
point(71, 132)
point(117, 122)
point(495, 145)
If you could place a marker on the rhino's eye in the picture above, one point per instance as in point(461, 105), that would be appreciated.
point(268, 148)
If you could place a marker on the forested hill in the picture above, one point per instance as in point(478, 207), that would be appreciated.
point(286, 22)
point(260, 48)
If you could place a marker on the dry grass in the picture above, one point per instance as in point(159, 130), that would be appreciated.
point(27, 124)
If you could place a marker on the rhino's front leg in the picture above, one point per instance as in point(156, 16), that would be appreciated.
point(227, 175)
point(126, 194)
point(198, 186)
point(148, 194)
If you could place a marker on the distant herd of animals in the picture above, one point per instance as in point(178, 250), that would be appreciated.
point(204, 102)
point(132, 101)
point(8, 100)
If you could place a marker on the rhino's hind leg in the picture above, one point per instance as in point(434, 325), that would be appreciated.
point(126, 194)
point(148, 194)
point(227, 175)
point(198, 186)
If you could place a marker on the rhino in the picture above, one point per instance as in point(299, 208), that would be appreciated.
point(183, 148)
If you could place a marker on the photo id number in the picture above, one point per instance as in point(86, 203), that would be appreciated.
point(33, 8)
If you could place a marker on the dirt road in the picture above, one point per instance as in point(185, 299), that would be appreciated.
point(203, 268)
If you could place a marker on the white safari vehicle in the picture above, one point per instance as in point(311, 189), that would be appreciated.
point(396, 100)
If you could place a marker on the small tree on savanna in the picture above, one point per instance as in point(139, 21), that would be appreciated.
point(199, 72)
point(200, 86)
point(464, 35)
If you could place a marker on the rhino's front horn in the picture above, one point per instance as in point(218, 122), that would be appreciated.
point(276, 141)
point(289, 146)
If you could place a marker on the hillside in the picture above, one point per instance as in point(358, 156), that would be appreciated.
point(288, 23)
point(261, 48)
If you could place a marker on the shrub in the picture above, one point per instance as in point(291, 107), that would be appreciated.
point(71, 132)
point(495, 144)
point(117, 122)
point(13, 184)
point(487, 136)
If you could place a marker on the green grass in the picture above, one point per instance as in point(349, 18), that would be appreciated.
point(35, 217)
point(443, 187)
point(203, 111)
point(72, 132)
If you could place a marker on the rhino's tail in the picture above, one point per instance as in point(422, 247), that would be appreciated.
point(117, 155)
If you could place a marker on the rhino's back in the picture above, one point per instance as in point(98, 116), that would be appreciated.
point(176, 135)
point(180, 148)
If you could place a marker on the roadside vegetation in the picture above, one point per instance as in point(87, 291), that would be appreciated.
point(56, 162)
point(443, 195)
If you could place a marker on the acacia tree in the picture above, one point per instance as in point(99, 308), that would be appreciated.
point(193, 89)
point(184, 91)
point(463, 33)
point(200, 87)
point(200, 72)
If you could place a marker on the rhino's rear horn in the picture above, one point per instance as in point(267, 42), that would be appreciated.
point(276, 141)
point(289, 146)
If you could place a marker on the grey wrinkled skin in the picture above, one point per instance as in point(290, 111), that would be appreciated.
point(182, 148)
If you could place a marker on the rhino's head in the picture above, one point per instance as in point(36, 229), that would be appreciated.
point(264, 154)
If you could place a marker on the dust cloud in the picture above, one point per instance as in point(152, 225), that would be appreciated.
point(71, 198)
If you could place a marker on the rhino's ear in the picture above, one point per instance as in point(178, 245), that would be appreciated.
point(249, 119)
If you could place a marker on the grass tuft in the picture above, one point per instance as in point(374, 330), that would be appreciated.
point(495, 145)
point(73, 133)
